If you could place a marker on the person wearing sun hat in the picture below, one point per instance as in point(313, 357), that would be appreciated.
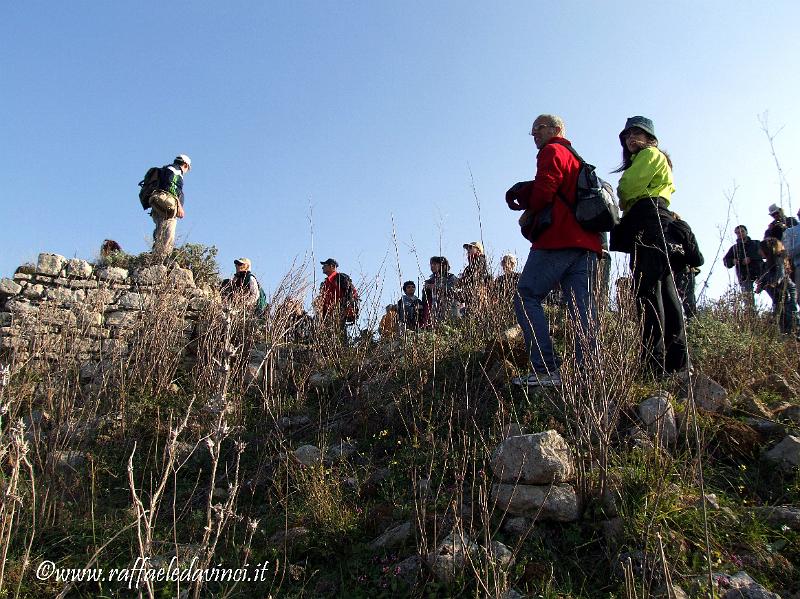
point(645, 190)
point(474, 280)
point(780, 222)
point(166, 205)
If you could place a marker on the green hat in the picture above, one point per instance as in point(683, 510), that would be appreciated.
point(640, 122)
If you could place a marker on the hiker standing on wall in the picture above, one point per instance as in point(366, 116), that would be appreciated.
point(562, 253)
point(644, 191)
point(166, 204)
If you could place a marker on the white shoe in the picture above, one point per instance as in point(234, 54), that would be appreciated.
point(534, 379)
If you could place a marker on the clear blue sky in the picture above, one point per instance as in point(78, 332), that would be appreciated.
point(371, 112)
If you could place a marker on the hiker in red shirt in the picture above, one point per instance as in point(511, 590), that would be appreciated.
point(337, 303)
point(562, 253)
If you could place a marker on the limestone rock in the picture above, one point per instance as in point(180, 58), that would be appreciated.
point(742, 586)
point(500, 554)
point(658, 417)
point(50, 264)
point(130, 300)
point(559, 503)
point(451, 556)
point(121, 318)
point(8, 287)
point(321, 379)
point(308, 455)
point(29, 268)
point(517, 526)
point(150, 275)
point(340, 452)
point(289, 536)
point(34, 291)
point(790, 413)
point(80, 269)
point(392, 537)
point(753, 407)
point(182, 277)
point(112, 274)
point(539, 458)
point(782, 515)
point(408, 570)
point(786, 454)
point(62, 296)
point(709, 395)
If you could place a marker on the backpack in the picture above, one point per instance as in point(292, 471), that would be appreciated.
point(595, 207)
point(148, 185)
point(261, 304)
point(350, 300)
point(682, 245)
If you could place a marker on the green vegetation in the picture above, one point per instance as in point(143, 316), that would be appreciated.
point(193, 458)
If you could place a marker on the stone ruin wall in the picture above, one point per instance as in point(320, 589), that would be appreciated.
point(91, 311)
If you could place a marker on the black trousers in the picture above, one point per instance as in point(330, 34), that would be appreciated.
point(663, 337)
point(685, 282)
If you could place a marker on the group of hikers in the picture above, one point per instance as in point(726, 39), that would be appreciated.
point(566, 257)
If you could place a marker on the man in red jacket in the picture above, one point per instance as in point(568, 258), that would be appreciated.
point(562, 253)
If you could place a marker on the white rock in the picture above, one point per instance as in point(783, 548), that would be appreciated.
point(112, 273)
point(182, 277)
point(786, 454)
point(8, 287)
point(151, 275)
point(308, 455)
point(33, 291)
point(121, 318)
point(79, 268)
point(559, 503)
point(540, 458)
point(392, 537)
point(50, 264)
point(658, 417)
point(709, 395)
point(781, 515)
point(130, 300)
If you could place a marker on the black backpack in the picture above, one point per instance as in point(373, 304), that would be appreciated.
point(350, 300)
point(148, 185)
point(682, 245)
point(595, 206)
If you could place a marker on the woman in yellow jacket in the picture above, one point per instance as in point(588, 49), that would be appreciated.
point(644, 191)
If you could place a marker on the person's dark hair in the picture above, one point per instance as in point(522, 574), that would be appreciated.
point(407, 283)
point(109, 247)
point(742, 227)
point(627, 156)
point(443, 261)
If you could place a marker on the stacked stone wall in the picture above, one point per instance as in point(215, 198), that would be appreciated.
point(96, 308)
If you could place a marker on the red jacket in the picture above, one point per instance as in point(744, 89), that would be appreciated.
point(557, 171)
point(331, 293)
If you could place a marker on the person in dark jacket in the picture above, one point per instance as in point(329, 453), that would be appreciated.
point(438, 296)
point(168, 194)
point(778, 284)
point(745, 256)
point(644, 191)
point(685, 259)
point(409, 307)
point(474, 280)
point(780, 222)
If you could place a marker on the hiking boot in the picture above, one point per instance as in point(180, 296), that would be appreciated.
point(534, 379)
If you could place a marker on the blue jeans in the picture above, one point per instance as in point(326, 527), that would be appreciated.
point(576, 271)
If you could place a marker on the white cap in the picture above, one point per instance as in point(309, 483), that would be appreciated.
point(185, 159)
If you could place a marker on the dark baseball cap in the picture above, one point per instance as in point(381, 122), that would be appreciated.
point(330, 261)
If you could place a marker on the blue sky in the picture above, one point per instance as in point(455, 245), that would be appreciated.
point(374, 114)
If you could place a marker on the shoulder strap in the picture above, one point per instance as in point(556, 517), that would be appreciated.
point(569, 147)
